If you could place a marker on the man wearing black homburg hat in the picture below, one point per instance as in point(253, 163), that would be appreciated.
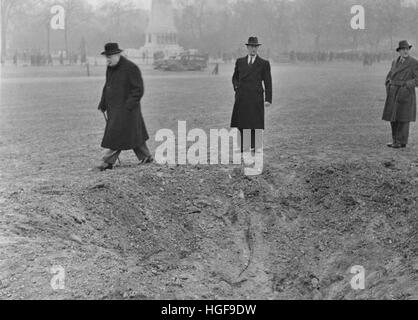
point(251, 98)
point(120, 103)
point(401, 107)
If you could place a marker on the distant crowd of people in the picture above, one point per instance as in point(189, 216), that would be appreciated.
point(40, 58)
point(366, 58)
point(316, 57)
point(37, 58)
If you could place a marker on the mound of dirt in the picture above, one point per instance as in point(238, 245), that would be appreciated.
point(209, 232)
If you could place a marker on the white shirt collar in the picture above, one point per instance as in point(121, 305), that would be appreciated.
point(251, 57)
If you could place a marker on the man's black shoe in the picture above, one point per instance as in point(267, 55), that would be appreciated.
point(398, 146)
point(147, 160)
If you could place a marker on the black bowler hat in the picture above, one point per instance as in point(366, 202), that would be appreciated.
point(404, 45)
point(253, 41)
point(111, 48)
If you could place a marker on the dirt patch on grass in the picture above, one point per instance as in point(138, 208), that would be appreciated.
point(212, 233)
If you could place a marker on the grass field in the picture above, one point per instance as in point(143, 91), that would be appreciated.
point(332, 195)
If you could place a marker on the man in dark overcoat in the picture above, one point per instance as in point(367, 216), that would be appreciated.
point(401, 107)
point(120, 103)
point(251, 98)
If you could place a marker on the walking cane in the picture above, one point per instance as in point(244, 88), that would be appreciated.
point(107, 120)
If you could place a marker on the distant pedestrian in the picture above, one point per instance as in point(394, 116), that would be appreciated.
point(216, 69)
point(292, 56)
point(50, 61)
point(15, 57)
point(25, 57)
point(121, 101)
point(400, 107)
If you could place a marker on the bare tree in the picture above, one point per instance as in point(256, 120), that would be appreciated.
point(192, 20)
point(73, 9)
point(7, 10)
point(317, 18)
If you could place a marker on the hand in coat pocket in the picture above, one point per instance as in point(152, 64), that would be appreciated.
point(102, 108)
point(387, 89)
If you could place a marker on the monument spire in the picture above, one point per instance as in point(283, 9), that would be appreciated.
point(162, 17)
point(161, 34)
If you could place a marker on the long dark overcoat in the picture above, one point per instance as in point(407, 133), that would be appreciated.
point(249, 93)
point(121, 98)
point(401, 81)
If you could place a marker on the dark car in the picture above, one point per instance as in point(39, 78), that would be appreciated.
point(185, 62)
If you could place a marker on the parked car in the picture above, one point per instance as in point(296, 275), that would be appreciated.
point(184, 62)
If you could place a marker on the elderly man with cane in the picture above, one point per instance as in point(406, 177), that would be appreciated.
point(122, 93)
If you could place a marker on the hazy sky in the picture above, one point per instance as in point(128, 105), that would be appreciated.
point(141, 3)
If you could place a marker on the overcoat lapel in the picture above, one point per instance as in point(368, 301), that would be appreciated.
point(400, 67)
point(249, 69)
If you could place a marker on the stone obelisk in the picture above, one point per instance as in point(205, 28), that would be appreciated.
point(161, 34)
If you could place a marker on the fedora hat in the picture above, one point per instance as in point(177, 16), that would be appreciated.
point(253, 41)
point(404, 44)
point(111, 48)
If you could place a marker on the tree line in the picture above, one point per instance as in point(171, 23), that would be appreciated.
point(212, 26)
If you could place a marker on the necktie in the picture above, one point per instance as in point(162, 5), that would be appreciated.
point(251, 60)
